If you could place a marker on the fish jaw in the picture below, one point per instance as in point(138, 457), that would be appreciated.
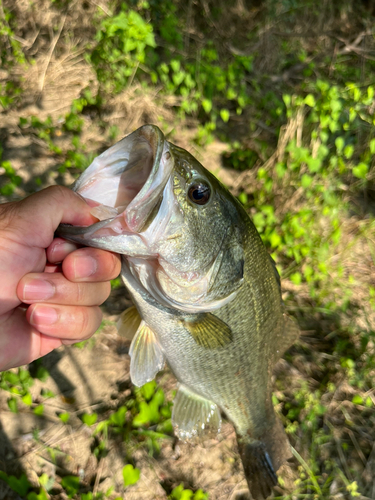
point(130, 176)
point(126, 181)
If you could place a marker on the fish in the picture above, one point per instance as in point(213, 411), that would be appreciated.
point(206, 293)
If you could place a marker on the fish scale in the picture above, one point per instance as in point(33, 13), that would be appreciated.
point(207, 294)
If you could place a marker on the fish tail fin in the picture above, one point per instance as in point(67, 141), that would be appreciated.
point(261, 459)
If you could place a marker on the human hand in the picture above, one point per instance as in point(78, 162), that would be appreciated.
point(62, 299)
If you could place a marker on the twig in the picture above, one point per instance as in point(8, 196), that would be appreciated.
point(98, 476)
point(356, 445)
point(106, 11)
point(49, 55)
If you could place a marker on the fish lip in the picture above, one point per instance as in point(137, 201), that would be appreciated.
point(139, 209)
point(140, 162)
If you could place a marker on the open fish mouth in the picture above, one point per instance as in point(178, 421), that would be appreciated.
point(130, 176)
point(127, 181)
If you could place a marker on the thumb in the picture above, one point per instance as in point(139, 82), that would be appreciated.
point(35, 219)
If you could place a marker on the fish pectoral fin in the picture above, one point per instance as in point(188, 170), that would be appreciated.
point(209, 331)
point(193, 415)
point(259, 471)
point(147, 357)
point(128, 323)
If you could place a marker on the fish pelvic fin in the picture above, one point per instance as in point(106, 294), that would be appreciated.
point(128, 323)
point(193, 415)
point(147, 357)
point(262, 458)
point(209, 331)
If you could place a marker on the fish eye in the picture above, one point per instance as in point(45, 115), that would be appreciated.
point(199, 193)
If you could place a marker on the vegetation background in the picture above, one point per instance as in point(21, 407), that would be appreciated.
point(277, 98)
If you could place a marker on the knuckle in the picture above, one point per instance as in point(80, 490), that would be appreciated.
point(115, 266)
point(80, 293)
point(84, 322)
point(105, 292)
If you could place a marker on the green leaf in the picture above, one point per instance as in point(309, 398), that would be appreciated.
point(47, 393)
point(148, 389)
point(13, 405)
point(339, 143)
point(287, 100)
point(243, 198)
point(177, 492)
point(348, 151)
point(175, 65)
point(42, 373)
point(296, 278)
point(224, 115)
point(130, 474)
point(70, 484)
point(310, 100)
point(46, 482)
point(357, 400)
point(119, 417)
point(20, 486)
point(314, 164)
point(186, 495)
point(274, 239)
point(207, 105)
point(27, 399)
point(64, 417)
point(39, 410)
point(89, 419)
point(200, 495)
point(42, 495)
point(306, 181)
point(360, 170)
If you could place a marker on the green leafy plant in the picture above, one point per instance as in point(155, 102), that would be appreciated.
point(180, 493)
point(120, 51)
point(130, 475)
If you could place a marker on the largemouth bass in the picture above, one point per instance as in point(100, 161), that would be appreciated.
point(206, 293)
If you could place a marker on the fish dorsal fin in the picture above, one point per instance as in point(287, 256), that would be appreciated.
point(193, 415)
point(209, 331)
point(147, 357)
point(128, 323)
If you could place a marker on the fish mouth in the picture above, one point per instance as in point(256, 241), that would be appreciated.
point(128, 179)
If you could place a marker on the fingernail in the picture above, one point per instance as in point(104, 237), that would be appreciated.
point(60, 250)
point(36, 289)
point(84, 266)
point(43, 315)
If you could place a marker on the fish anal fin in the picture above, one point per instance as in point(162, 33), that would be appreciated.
point(128, 323)
point(209, 331)
point(147, 357)
point(259, 471)
point(193, 415)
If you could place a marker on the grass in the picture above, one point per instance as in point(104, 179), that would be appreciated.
point(282, 95)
